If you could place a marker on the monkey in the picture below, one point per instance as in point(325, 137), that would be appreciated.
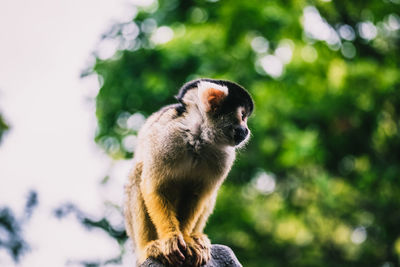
point(184, 153)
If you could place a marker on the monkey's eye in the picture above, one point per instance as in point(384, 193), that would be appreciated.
point(243, 115)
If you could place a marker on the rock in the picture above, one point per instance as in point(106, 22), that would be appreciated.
point(221, 256)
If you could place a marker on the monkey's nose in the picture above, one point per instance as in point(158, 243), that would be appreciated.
point(240, 134)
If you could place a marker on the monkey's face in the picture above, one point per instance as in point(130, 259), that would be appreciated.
point(240, 131)
point(227, 106)
point(233, 126)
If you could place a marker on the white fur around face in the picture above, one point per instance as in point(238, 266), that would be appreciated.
point(204, 85)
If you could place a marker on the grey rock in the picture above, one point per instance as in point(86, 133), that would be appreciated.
point(221, 256)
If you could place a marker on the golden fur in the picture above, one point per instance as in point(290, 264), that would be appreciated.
point(179, 165)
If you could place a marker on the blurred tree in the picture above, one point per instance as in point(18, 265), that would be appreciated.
point(118, 234)
point(319, 184)
point(11, 234)
point(3, 127)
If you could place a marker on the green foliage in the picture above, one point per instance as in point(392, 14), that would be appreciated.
point(319, 183)
point(3, 127)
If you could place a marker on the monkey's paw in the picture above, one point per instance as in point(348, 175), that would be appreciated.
point(198, 249)
point(169, 250)
point(152, 250)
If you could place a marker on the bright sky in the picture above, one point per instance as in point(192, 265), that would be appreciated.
point(44, 45)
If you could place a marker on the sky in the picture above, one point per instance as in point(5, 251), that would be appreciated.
point(44, 46)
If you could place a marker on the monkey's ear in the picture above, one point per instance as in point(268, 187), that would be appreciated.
point(211, 95)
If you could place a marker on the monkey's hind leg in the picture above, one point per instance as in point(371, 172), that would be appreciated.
point(138, 224)
point(145, 233)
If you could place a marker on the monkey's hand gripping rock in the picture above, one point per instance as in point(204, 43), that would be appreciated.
point(198, 249)
point(169, 250)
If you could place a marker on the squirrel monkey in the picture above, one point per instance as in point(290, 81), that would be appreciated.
point(184, 153)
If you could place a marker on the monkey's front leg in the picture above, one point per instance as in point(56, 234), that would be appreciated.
point(198, 245)
point(170, 247)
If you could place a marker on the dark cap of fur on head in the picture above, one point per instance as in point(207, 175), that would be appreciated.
point(237, 95)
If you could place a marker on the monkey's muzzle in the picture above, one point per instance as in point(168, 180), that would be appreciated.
point(240, 134)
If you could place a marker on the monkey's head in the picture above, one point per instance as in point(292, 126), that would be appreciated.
point(224, 105)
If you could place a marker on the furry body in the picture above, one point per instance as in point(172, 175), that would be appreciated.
point(184, 153)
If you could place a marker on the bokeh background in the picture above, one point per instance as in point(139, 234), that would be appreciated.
point(319, 182)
